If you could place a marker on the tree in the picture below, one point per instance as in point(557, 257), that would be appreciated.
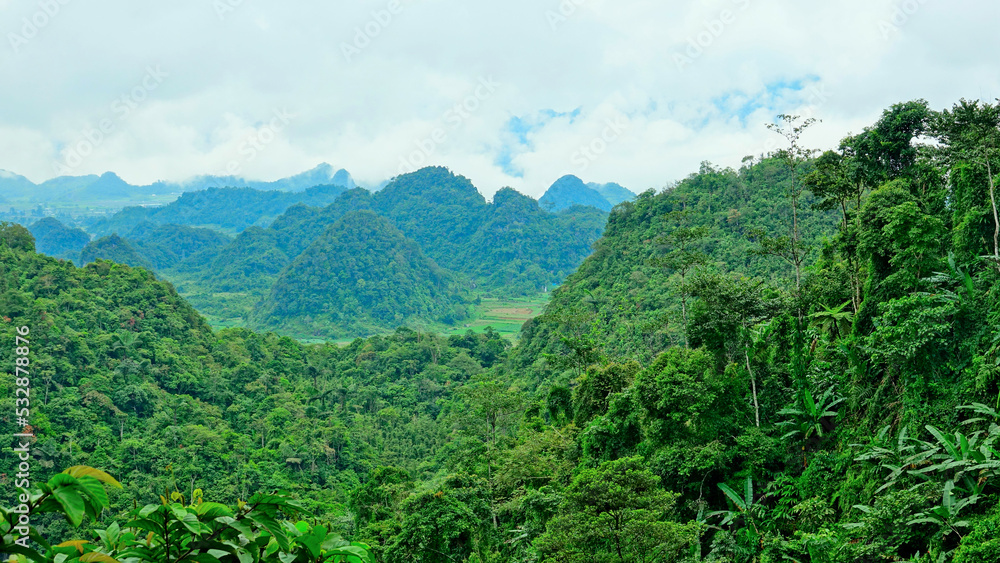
point(685, 257)
point(379, 498)
point(616, 513)
point(833, 321)
point(443, 526)
point(491, 405)
point(16, 237)
point(901, 244)
point(810, 417)
point(790, 248)
point(970, 132)
point(839, 180)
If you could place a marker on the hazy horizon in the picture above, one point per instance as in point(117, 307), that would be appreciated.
point(628, 92)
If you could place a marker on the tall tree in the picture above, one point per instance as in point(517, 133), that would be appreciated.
point(970, 133)
point(685, 241)
point(794, 157)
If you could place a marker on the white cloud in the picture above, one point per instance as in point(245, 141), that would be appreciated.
point(227, 75)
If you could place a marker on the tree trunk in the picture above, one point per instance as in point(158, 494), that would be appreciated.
point(795, 242)
point(753, 386)
point(996, 218)
point(684, 312)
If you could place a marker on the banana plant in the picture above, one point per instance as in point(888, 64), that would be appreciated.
point(806, 420)
point(971, 460)
point(987, 412)
point(955, 276)
point(947, 514)
point(751, 533)
point(897, 455)
point(742, 502)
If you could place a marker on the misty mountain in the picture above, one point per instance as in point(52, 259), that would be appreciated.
point(509, 246)
point(226, 209)
point(614, 193)
point(108, 188)
point(14, 186)
point(570, 190)
point(324, 174)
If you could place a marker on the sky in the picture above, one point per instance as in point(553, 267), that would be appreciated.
point(514, 93)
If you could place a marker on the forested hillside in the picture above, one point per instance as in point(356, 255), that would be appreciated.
point(116, 249)
point(629, 297)
point(127, 377)
point(508, 246)
point(804, 351)
point(358, 277)
point(56, 239)
point(170, 246)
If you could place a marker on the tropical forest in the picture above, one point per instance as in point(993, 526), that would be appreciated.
point(793, 360)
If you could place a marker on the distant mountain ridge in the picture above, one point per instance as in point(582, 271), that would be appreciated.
point(571, 190)
point(228, 209)
point(324, 174)
point(109, 186)
point(614, 193)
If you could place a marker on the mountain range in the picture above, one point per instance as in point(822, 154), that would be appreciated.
point(109, 187)
point(248, 267)
point(109, 190)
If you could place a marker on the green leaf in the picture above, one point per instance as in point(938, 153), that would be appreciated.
point(272, 526)
point(95, 492)
point(807, 400)
point(351, 551)
point(947, 498)
point(84, 471)
point(187, 519)
point(733, 496)
point(238, 525)
point(94, 557)
point(72, 503)
point(31, 554)
point(213, 510)
point(948, 445)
